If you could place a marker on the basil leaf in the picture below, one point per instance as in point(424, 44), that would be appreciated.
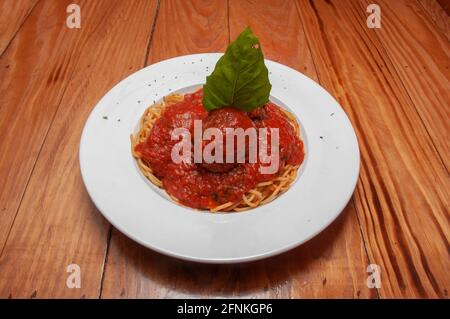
point(240, 78)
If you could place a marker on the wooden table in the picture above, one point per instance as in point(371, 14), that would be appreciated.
point(393, 83)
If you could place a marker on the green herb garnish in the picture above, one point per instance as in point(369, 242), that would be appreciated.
point(240, 78)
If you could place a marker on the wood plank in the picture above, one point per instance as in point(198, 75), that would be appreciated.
point(12, 16)
point(188, 27)
point(30, 91)
point(420, 55)
point(278, 26)
point(402, 196)
point(333, 264)
point(438, 15)
point(57, 224)
point(131, 270)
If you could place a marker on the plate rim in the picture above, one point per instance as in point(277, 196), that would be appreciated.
point(226, 260)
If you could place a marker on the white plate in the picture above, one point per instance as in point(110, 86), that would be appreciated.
point(326, 183)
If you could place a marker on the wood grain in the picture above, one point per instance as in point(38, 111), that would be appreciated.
point(333, 264)
point(420, 56)
point(438, 15)
point(30, 91)
point(445, 5)
point(12, 15)
point(402, 196)
point(188, 27)
point(277, 25)
point(393, 83)
point(57, 224)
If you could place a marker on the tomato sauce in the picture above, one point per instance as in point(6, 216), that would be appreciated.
point(198, 185)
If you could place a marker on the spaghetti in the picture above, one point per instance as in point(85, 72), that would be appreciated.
point(263, 192)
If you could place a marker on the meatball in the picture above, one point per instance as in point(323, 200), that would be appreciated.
point(227, 117)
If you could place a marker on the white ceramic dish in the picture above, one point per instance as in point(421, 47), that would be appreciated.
point(326, 183)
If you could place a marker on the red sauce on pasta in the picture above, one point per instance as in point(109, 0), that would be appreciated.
point(206, 186)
